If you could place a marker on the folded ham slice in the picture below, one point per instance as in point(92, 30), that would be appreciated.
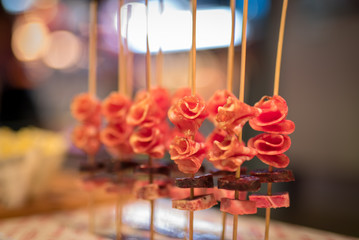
point(218, 99)
point(238, 207)
point(115, 107)
point(197, 203)
point(273, 115)
point(188, 114)
point(86, 109)
point(234, 114)
point(276, 200)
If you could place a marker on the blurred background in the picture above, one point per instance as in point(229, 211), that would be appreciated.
point(44, 64)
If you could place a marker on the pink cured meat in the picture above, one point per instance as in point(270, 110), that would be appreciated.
point(150, 191)
point(270, 144)
point(238, 207)
point(148, 140)
point(115, 107)
point(87, 138)
point(277, 200)
point(180, 93)
point(219, 99)
point(162, 98)
point(223, 193)
point(177, 193)
point(227, 153)
point(187, 154)
point(144, 111)
point(278, 161)
point(197, 203)
point(188, 114)
point(234, 114)
point(86, 109)
point(115, 134)
point(270, 148)
point(273, 116)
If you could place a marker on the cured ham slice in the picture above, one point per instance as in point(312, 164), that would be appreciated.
point(276, 200)
point(223, 193)
point(270, 144)
point(234, 114)
point(180, 93)
point(219, 99)
point(148, 140)
point(162, 98)
point(144, 111)
point(270, 148)
point(197, 203)
point(188, 114)
point(244, 183)
point(187, 154)
point(181, 193)
point(229, 154)
point(115, 134)
point(205, 181)
point(86, 109)
point(272, 119)
point(115, 107)
point(151, 191)
point(278, 161)
point(275, 176)
point(238, 207)
point(87, 138)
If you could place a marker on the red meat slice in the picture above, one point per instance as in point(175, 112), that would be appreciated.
point(197, 203)
point(238, 207)
point(276, 200)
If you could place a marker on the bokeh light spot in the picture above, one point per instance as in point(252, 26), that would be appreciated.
point(29, 40)
point(16, 6)
point(64, 50)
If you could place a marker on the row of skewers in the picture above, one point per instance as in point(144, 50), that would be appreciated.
point(140, 126)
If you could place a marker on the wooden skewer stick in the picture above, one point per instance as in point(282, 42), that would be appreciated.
point(129, 56)
point(92, 90)
point(121, 56)
point(275, 92)
point(280, 47)
point(118, 213)
point(193, 52)
point(122, 88)
point(148, 86)
point(244, 50)
point(193, 88)
point(191, 214)
point(241, 95)
point(92, 48)
point(159, 64)
point(229, 85)
point(148, 54)
point(231, 49)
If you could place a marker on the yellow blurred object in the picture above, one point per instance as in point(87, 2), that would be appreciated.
point(28, 159)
